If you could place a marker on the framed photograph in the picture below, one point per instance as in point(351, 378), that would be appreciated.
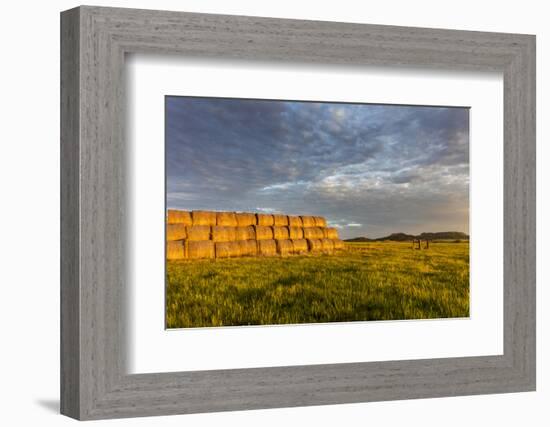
point(261, 213)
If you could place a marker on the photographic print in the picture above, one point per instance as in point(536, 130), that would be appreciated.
point(293, 212)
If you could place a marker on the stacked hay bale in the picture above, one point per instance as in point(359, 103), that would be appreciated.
point(206, 234)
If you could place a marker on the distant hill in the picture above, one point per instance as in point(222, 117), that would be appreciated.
point(403, 237)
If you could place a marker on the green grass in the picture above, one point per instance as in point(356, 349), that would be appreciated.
point(366, 281)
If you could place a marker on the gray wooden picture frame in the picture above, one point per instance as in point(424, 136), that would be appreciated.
point(94, 382)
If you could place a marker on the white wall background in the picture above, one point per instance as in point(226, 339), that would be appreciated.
point(29, 214)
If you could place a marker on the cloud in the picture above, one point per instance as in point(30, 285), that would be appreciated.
point(386, 168)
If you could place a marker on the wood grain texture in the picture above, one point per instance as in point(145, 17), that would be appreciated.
point(94, 380)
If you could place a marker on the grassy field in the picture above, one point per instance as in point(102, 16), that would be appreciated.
point(366, 281)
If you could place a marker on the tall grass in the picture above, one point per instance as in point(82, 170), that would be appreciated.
point(366, 281)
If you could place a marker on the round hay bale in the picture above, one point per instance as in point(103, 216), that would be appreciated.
point(200, 249)
point(295, 221)
point(284, 247)
point(295, 233)
point(308, 221)
point(328, 245)
point(320, 221)
point(176, 232)
point(330, 233)
point(299, 246)
point(263, 232)
point(245, 218)
point(266, 247)
point(228, 249)
point(198, 232)
point(227, 219)
point(248, 247)
point(313, 233)
point(175, 250)
point(314, 245)
point(178, 217)
point(203, 217)
point(245, 233)
point(338, 244)
point(221, 233)
point(280, 233)
point(264, 219)
point(280, 220)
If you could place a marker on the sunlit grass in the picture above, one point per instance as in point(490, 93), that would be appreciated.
point(366, 281)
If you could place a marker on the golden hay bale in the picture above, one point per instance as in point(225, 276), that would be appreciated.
point(308, 221)
point(264, 219)
point(284, 247)
point(228, 249)
point(295, 233)
point(203, 217)
point(248, 247)
point(263, 233)
point(227, 219)
point(299, 246)
point(175, 249)
point(200, 249)
point(295, 221)
point(266, 247)
point(330, 233)
point(245, 233)
point(176, 232)
point(198, 232)
point(244, 219)
point(221, 233)
point(338, 244)
point(313, 233)
point(314, 245)
point(280, 233)
point(328, 245)
point(178, 217)
point(280, 220)
point(320, 221)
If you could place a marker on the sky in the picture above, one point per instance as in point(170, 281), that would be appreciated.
point(369, 169)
